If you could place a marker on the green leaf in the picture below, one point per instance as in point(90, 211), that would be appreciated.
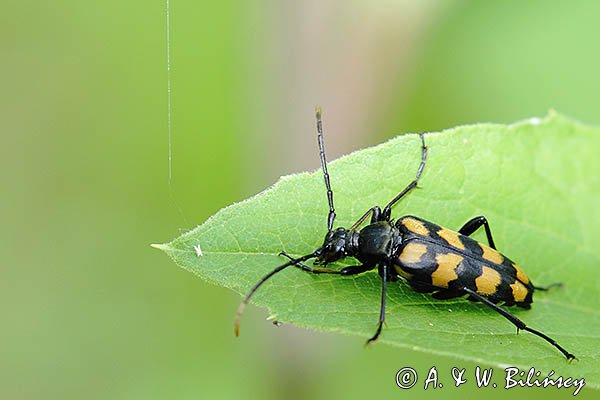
point(537, 183)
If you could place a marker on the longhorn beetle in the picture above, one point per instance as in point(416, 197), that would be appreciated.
point(432, 259)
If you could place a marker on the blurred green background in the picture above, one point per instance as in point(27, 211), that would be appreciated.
point(90, 310)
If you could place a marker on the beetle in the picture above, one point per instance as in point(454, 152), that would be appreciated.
point(430, 258)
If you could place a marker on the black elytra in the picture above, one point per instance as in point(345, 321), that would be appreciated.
point(431, 258)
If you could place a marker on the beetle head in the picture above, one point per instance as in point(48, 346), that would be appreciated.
point(337, 245)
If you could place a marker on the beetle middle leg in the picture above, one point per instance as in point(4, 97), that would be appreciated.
point(475, 223)
point(383, 271)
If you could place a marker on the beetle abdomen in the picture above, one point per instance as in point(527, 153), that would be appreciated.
point(433, 257)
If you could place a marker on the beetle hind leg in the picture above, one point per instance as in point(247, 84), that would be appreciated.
point(550, 286)
point(447, 294)
point(518, 323)
point(475, 223)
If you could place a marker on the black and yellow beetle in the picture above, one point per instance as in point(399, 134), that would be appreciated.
point(432, 259)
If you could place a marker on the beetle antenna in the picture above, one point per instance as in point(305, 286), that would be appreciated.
point(242, 305)
point(331, 216)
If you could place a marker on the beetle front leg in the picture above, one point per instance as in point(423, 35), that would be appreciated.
point(351, 270)
point(304, 267)
point(375, 213)
point(356, 269)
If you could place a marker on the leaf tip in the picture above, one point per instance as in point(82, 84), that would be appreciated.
point(164, 247)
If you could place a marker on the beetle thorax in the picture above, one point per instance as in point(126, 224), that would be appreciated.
point(378, 241)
